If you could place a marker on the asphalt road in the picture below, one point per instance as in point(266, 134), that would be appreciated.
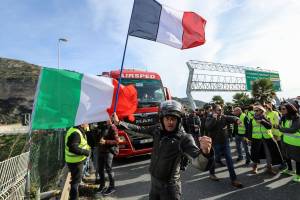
point(133, 182)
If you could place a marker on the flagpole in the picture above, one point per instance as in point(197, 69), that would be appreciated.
point(27, 186)
point(120, 75)
point(122, 65)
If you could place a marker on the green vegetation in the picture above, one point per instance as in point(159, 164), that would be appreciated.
point(262, 90)
point(218, 100)
point(11, 146)
point(242, 99)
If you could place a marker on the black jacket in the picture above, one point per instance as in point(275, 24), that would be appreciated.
point(295, 126)
point(203, 130)
point(168, 149)
point(74, 141)
point(217, 128)
point(110, 135)
point(193, 123)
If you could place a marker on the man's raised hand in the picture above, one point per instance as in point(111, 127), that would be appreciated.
point(205, 144)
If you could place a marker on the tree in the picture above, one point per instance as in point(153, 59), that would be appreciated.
point(262, 90)
point(228, 108)
point(218, 100)
point(241, 99)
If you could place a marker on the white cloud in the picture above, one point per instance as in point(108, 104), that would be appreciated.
point(255, 33)
point(111, 17)
point(271, 42)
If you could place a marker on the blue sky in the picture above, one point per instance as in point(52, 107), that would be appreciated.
point(31, 29)
point(249, 33)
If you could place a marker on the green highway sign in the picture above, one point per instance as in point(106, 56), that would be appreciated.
point(252, 75)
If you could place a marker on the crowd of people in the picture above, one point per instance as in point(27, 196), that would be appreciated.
point(201, 137)
point(261, 131)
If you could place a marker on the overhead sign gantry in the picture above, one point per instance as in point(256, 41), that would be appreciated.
point(218, 77)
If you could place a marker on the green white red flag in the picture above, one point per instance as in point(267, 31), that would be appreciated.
point(66, 98)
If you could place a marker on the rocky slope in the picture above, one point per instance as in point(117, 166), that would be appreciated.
point(17, 87)
point(187, 104)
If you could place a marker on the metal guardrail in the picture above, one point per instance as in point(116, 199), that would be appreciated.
point(13, 173)
point(13, 129)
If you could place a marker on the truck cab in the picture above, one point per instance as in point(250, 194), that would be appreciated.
point(151, 93)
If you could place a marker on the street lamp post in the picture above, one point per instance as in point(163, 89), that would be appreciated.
point(60, 142)
point(58, 49)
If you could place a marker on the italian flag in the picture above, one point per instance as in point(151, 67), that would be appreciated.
point(66, 98)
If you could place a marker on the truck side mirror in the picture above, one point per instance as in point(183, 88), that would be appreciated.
point(167, 93)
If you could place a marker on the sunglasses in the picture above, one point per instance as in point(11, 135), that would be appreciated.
point(282, 108)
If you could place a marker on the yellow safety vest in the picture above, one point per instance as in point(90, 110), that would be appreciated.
point(291, 138)
point(250, 114)
point(273, 116)
point(241, 127)
point(72, 157)
point(259, 131)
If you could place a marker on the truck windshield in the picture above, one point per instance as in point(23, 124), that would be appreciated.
point(150, 91)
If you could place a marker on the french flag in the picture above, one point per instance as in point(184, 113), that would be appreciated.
point(153, 21)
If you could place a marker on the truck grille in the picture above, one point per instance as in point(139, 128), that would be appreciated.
point(141, 140)
point(146, 119)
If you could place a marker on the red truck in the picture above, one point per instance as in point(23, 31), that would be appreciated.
point(150, 93)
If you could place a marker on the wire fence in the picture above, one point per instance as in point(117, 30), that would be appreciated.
point(13, 177)
point(46, 162)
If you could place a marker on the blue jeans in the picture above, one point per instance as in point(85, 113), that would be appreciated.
point(86, 165)
point(224, 149)
point(238, 141)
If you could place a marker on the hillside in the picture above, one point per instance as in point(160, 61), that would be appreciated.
point(18, 82)
point(186, 102)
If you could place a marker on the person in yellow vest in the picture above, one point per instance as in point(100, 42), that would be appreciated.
point(263, 142)
point(76, 152)
point(248, 110)
point(273, 116)
point(290, 128)
point(241, 135)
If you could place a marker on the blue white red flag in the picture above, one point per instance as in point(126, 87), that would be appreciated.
point(153, 21)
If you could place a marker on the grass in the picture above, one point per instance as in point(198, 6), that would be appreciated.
point(11, 145)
